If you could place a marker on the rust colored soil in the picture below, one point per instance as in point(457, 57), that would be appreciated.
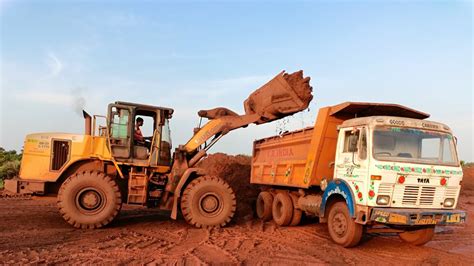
point(32, 231)
point(300, 85)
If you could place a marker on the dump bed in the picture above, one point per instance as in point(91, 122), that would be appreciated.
point(304, 157)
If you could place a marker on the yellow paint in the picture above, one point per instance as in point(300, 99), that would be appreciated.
point(36, 161)
point(453, 218)
point(397, 218)
point(205, 133)
point(426, 221)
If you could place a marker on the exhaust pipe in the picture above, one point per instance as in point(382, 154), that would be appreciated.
point(88, 123)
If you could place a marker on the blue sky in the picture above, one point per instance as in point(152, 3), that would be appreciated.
point(192, 55)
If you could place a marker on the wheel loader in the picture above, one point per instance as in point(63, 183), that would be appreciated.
point(94, 173)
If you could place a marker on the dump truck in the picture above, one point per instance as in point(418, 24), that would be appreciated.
point(94, 173)
point(362, 167)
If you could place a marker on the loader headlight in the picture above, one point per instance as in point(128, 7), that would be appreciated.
point(383, 200)
point(449, 202)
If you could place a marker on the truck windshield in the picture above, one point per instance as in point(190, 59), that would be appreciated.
point(414, 145)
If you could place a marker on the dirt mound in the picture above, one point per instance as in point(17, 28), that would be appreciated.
point(236, 171)
point(467, 186)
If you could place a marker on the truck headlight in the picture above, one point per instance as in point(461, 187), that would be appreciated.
point(383, 199)
point(449, 202)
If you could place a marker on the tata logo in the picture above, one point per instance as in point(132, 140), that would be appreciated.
point(424, 180)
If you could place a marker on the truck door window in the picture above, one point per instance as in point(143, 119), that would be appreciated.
point(347, 134)
point(363, 144)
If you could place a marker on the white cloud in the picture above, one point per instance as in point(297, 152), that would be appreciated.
point(55, 65)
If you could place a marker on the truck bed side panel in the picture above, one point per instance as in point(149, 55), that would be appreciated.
point(281, 160)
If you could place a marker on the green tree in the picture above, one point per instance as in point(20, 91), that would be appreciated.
point(9, 163)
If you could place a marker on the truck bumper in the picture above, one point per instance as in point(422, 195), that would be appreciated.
point(412, 217)
point(16, 186)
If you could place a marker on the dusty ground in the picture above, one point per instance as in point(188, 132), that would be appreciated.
point(32, 231)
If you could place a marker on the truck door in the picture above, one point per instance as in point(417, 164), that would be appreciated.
point(120, 131)
point(352, 164)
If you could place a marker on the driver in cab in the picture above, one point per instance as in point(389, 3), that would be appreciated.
point(138, 135)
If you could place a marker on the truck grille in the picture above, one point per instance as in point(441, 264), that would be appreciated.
point(418, 195)
point(60, 154)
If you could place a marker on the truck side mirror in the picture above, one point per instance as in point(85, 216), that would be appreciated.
point(353, 139)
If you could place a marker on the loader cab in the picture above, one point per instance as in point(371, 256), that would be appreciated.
point(122, 117)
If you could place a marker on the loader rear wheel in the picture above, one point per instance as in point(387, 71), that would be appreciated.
point(208, 202)
point(418, 237)
point(89, 200)
point(264, 205)
point(282, 209)
point(342, 228)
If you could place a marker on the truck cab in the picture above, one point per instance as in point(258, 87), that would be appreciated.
point(396, 166)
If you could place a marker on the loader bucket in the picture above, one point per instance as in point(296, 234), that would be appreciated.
point(282, 96)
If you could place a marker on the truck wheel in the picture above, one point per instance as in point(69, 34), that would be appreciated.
point(282, 209)
point(264, 205)
point(208, 202)
point(89, 200)
point(342, 228)
point(418, 237)
point(297, 213)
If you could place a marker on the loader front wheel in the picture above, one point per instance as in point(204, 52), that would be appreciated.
point(89, 200)
point(208, 202)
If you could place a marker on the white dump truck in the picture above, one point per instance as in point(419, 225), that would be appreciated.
point(363, 167)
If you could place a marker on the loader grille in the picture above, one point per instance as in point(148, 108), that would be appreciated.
point(60, 154)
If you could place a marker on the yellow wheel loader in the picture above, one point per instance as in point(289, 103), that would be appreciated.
point(94, 173)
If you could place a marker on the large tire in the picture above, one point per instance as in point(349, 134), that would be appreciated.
point(282, 209)
point(89, 200)
point(418, 237)
point(264, 205)
point(342, 228)
point(297, 213)
point(208, 202)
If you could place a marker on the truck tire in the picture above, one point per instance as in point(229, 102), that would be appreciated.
point(89, 200)
point(264, 206)
point(297, 213)
point(282, 209)
point(208, 202)
point(342, 228)
point(418, 237)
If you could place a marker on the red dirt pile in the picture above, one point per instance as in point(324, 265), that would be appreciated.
point(236, 171)
point(300, 85)
point(467, 186)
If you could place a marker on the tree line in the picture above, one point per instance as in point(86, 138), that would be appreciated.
point(9, 163)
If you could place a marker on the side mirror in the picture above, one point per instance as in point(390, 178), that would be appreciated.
point(353, 139)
